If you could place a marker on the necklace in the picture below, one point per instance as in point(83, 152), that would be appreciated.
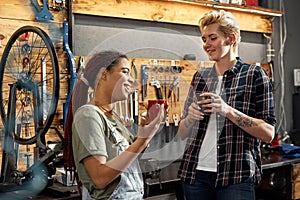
point(109, 113)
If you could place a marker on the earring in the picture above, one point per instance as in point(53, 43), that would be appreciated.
point(103, 75)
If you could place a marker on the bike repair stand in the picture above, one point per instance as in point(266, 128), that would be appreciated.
point(9, 155)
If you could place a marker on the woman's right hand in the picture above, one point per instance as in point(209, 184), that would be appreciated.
point(194, 112)
point(149, 130)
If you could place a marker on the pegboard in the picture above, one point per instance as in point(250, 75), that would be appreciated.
point(173, 76)
point(166, 73)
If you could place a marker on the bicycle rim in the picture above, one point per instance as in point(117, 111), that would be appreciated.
point(30, 61)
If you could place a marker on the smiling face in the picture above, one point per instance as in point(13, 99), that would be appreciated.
point(116, 83)
point(215, 43)
point(121, 82)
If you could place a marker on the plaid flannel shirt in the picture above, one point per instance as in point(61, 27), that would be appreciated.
point(246, 88)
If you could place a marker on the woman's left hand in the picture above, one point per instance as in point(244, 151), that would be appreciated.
point(217, 104)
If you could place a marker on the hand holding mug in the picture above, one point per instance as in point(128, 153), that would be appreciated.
point(205, 102)
point(212, 103)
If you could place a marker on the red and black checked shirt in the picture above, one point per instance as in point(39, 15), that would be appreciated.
point(246, 88)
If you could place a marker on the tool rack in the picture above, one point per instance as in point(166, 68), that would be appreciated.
point(171, 77)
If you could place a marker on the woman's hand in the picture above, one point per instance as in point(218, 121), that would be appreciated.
point(215, 104)
point(195, 112)
point(149, 130)
point(209, 103)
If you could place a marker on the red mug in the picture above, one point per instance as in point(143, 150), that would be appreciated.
point(153, 107)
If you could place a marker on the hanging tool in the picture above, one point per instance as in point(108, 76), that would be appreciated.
point(133, 69)
point(176, 120)
point(165, 87)
point(168, 129)
point(136, 106)
point(126, 110)
point(131, 120)
point(59, 5)
point(174, 99)
point(178, 93)
point(175, 68)
point(43, 14)
point(173, 85)
point(121, 110)
point(81, 67)
point(145, 69)
point(156, 84)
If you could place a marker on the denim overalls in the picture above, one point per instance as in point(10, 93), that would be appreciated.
point(131, 185)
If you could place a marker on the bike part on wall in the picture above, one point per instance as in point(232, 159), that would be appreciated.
point(30, 62)
point(29, 92)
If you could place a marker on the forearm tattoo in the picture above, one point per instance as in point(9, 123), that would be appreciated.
point(245, 121)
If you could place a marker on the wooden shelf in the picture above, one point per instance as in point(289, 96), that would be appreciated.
point(253, 19)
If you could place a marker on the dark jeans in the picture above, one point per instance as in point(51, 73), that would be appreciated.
point(204, 189)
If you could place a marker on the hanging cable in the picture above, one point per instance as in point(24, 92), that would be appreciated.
point(270, 53)
point(283, 34)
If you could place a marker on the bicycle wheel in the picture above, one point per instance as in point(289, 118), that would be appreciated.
point(29, 60)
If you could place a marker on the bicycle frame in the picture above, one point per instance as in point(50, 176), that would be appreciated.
point(72, 70)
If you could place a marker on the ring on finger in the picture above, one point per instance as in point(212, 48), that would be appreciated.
point(212, 99)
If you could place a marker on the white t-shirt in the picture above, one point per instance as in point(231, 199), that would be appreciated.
point(207, 160)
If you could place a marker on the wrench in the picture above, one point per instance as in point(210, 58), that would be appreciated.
point(120, 110)
point(81, 66)
point(145, 76)
point(136, 106)
point(126, 110)
point(176, 120)
point(131, 108)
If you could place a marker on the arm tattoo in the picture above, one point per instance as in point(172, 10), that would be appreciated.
point(244, 121)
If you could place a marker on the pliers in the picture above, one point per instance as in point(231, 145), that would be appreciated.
point(133, 68)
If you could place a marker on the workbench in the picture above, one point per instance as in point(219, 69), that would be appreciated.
point(281, 179)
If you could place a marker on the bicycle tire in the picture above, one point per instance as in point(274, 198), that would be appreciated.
point(30, 61)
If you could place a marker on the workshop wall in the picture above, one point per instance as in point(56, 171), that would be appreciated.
point(18, 13)
point(161, 42)
point(152, 40)
point(285, 42)
point(143, 39)
point(172, 41)
point(15, 14)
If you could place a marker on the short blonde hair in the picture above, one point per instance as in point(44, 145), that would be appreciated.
point(226, 20)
